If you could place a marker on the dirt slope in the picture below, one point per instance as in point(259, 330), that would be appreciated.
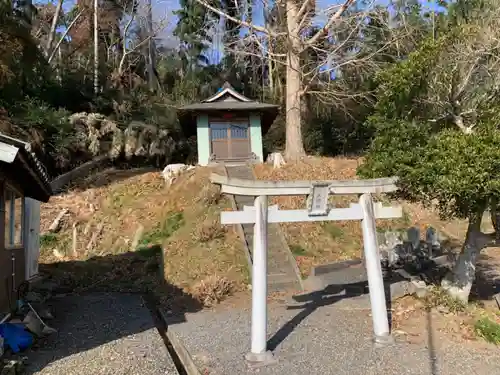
point(122, 217)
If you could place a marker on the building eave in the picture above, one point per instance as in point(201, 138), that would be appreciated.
point(17, 154)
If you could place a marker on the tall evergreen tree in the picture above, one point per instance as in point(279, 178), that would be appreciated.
point(192, 29)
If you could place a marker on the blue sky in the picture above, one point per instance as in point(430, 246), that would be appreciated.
point(163, 10)
point(166, 7)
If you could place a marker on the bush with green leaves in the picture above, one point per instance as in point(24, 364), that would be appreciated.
point(437, 128)
point(458, 172)
point(47, 128)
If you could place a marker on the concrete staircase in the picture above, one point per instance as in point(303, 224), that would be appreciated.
point(281, 266)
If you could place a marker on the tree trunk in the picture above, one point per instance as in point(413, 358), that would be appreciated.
point(59, 65)
point(495, 218)
point(53, 27)
point(458, 282)
point(151, 59)
point(270, 76)
point(96, 49)
point(270, 73)
point(294, 145)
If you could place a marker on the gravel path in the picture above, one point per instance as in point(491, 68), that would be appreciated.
point(332, 339)
point(101, 334)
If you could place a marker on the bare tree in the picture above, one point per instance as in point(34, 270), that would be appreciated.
point(139, 19)
point(45, 27)
point(96, 48)
point(151, 55)
point(53, 27)
point(296, 33)
point(64, 35)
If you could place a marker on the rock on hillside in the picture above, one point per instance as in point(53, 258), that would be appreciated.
point(94, 136)
point(138, 141)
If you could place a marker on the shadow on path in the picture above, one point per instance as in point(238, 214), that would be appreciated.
point(100, 307)
point(310, 302)
point(334, 293)
point(431, 348)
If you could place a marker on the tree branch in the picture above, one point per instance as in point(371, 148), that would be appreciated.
point(64, 35)
point(302, 10)
point(239, 22)
point(125, 31)
point(248, 53)
point(465, 82)
point(329, 24)
point(53, 27)
point(140, 44)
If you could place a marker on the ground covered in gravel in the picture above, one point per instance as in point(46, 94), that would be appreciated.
point(332, 337)
point(101, 334)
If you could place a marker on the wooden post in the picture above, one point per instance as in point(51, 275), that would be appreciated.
point(74, 242)
point(374, 272)
point(31, 240)
point(259, 353)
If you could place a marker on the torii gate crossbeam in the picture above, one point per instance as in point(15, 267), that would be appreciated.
point(260, 215)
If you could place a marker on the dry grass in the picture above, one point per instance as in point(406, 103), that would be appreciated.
point(210, 194)
point(212, 290)
point(413, 319)
point(322, 242)
point(182, 219)
point(209, 230)
point(445, 317)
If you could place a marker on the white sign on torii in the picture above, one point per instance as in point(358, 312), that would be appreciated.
point(260, 214)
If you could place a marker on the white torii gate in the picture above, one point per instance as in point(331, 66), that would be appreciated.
point(259, 215)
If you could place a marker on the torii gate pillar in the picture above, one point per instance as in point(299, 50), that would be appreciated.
point(260, 215)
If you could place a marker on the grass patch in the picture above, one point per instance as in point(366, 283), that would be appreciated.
point(335, 231)
point(298, 250)
point(488, 330)
point(54, 243)
point(164, 230)
point(211, 195)
point(149, 251)
point(438, 297)
point(48, 240)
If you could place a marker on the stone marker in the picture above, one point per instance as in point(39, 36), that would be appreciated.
point(414, 237)
point(390, 242)
point(392, 239)
point(432, 238)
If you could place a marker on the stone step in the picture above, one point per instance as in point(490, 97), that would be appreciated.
point(281, 277)
point(337, 266)
point(283, 286)
point(278, 255)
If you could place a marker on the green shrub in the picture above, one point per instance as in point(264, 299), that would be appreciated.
point(488, 330)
